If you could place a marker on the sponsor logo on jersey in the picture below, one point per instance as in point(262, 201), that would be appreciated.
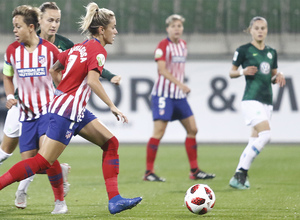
point(255, 54)
point(178, 59)
point(32, 72)
point(158, 53)
point(101, 59)
point(42, 59)
point(264, 68)
point(269, 55)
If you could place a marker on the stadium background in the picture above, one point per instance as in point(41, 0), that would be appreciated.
point(213, 30)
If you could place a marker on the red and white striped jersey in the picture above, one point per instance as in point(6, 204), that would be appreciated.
point(73, 92)
point(34, 82)
point(174, 55)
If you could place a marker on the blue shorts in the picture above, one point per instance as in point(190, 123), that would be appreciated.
point(63, 129)
point(167, 109)
point(31, 131)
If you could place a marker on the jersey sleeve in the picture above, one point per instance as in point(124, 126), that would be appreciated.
point(96, 59)
point(238, 57)
point(160, 51)
point(8, 69)
point(275, 64)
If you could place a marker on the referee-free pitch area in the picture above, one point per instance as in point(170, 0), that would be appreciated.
point(274, 179)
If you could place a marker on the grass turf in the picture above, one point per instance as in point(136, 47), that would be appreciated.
point(274, 178)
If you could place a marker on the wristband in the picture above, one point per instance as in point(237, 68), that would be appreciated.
point(10, 96)
point(241, 72)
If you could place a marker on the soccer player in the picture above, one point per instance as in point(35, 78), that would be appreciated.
point(169, 101)
point(82, 65)
point(29, 59)
point(259, 66)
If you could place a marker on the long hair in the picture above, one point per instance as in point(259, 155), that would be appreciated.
point(94, 18)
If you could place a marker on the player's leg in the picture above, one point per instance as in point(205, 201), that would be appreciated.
point(7, 148)
point(11, 134)
point(162, 110)
point(190, 126)
point(97, 133)
point(159, 128)
point(261, 134)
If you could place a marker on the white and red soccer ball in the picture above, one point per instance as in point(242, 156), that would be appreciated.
point(200, 199)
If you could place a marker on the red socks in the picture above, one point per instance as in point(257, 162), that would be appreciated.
point(152, 147)
point(191, 150)
point(23, 169)
point(56, 180)
point(110, 166)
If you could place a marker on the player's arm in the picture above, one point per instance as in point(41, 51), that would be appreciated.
point(8, 74)
point(111, 77)
point(162, 69)
point(278, 77)
point(97, 88)
point(55, 72)
point(248, 71)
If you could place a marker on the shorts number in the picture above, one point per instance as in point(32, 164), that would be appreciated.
point(161, 102)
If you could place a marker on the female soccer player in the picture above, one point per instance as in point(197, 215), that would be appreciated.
point(169, 101)
point(82, 65)
point(29, 59)
point(259, 66)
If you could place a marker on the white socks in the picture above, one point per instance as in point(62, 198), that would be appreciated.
point(3, 156)
point(254, 147)
point(24, 184)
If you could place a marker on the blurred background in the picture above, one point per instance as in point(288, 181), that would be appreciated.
point(213, 28)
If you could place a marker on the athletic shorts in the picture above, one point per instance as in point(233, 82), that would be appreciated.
point(31, 131)
point(255, 112)
point(168, 109)
point(63, 129)
point(12, 125)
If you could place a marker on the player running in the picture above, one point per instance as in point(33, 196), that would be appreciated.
point(82, 66)
point(29, 59)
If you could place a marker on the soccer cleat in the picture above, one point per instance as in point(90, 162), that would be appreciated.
point(199, 174)
point(21, 199)
point(65, 172)
point(60, 207)
point(239, 181)
point(118, 204)
point(152, 177)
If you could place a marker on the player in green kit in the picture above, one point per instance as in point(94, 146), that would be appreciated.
point(259, 66)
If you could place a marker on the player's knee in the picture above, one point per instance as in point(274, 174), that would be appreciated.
point(265, 137)
point(111, 144)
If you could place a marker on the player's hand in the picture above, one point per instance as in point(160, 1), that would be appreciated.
point(119, 115)
point(116, 80)
point(250, 70)
point(10, 103)
point(185, 88)
point(280, 79)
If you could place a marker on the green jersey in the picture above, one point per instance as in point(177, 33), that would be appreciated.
point(61, 42)
point(258, 87)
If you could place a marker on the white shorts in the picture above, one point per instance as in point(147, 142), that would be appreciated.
point(255, 112)
point(12, 125)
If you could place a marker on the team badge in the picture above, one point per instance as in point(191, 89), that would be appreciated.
point(269, 55)
point(68, 134)
point(42, 59)
point(161, 111)
point(158, 53)
point(264, 68)
point(101, 59)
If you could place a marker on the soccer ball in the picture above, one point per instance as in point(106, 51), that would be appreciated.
point(199, 199)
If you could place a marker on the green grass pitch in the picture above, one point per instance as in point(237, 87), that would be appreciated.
point(274, 178)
